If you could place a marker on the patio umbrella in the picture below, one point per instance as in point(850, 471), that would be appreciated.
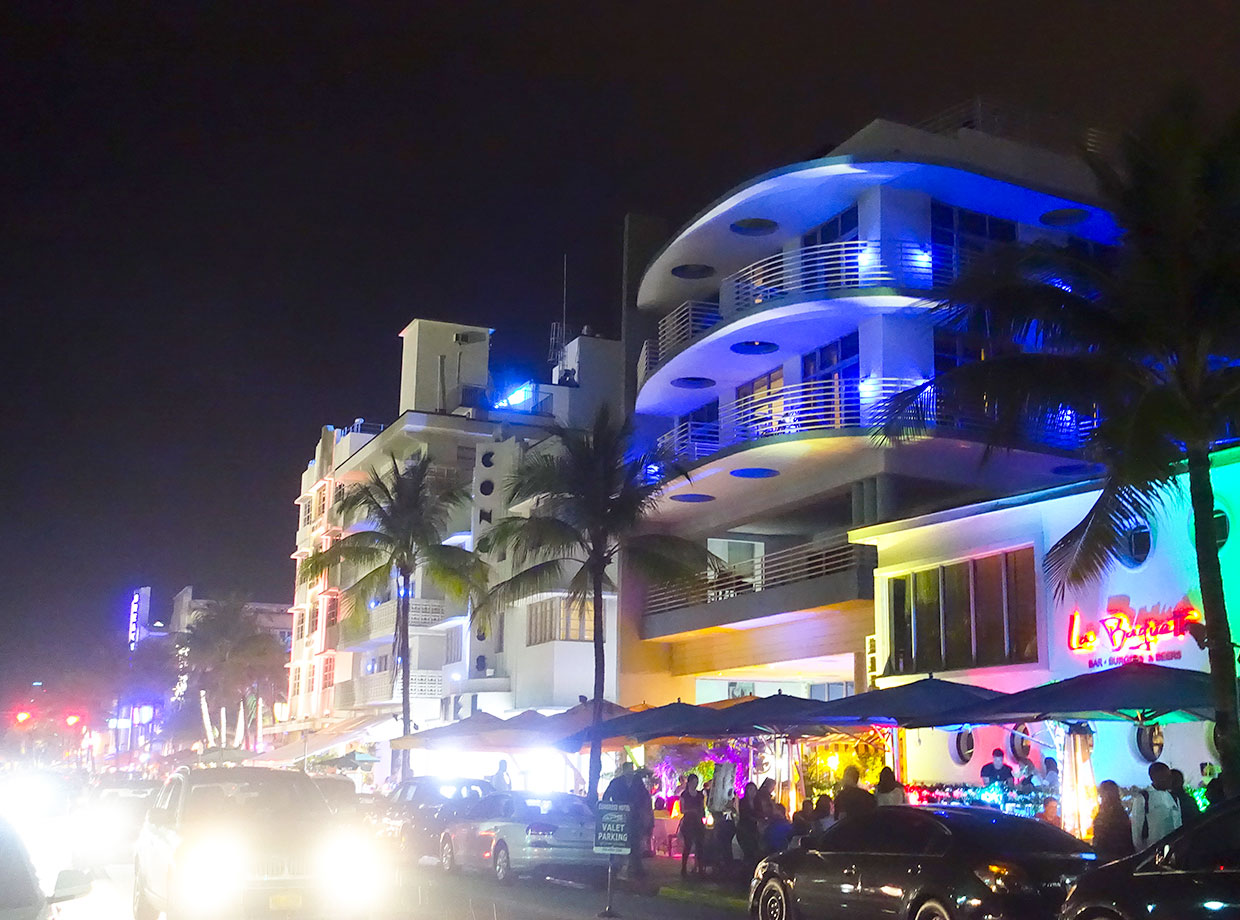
point(760, 715)
point(521, 730)
point(673, 720)
point(1134, 692)
point(350, 761)
point(453, 734)
point(914, 701)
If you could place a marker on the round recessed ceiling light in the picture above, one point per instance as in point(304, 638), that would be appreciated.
point(754, 348)
point(693, 498)
point(754, 226)
point(1064, 217)
point(693, 271)
point(754, 472)
point(1078, 469)
point(693, 383)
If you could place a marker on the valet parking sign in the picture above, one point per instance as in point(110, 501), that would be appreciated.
point(611, 829)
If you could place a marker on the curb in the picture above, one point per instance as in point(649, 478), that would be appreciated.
point(710, 898)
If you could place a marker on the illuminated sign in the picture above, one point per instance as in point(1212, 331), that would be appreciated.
point(518, 397)
point(133, 620)
point(1133, 634)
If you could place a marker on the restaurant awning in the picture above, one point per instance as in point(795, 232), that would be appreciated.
point(454, 734)
point(917, 700)
point(323, 740)
point(1134, 692)
point(672, 720)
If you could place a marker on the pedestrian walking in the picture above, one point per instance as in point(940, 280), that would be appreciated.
point(692, 825)
point(1112, 826)
point(1189, 810)
point(747, 820)
point(1155, 812)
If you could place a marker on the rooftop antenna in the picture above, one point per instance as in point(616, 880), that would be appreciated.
point(564, 295)
point(559, 331)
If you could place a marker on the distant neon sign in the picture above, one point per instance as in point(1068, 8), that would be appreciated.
point(133, 621)
point(1125, 630)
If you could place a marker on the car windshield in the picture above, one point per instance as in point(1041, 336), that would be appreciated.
point(1009, 835)
point(255, 796)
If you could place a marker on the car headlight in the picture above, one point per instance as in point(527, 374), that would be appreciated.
point(212, 870)
point(352, 868)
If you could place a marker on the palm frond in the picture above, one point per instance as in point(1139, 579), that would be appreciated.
point(669, 559)
point(532, 538)
point(536, 579)
point(365, 548)
point(374, 584)
point(460, 573)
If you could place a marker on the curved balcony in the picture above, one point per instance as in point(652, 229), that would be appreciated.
point(808, 273)
point(839, 405)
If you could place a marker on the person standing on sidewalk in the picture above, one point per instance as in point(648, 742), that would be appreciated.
point(692, 825)
point(1155, 812)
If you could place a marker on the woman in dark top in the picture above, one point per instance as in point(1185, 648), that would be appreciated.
point(747, 823)
point(1112, 826)
point(692, 824)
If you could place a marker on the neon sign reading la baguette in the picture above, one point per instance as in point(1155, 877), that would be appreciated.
point(1126, 629)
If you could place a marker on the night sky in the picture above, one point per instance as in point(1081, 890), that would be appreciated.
point(216, 220)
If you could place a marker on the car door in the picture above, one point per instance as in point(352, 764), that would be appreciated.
point(827, 868)
point(162, 838)
point(902, 846)
point(1198, 876)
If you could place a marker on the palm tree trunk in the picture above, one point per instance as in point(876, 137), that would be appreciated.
point(600, 661)
point(402, 650)
point(1222, 654)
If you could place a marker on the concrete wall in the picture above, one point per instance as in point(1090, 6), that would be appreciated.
point(465, 354)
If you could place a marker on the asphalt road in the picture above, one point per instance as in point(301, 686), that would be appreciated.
point(427, 893)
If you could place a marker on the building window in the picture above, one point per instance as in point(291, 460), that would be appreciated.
point(295, 683)
point(466, 457)
point(760, 403)
point(499, 631)
point(307, 512)
point(318, 614)
point(333, 610)
point(958, 235)
point(329, 671)
point(320, 501)
point(977, 613)
point(841, 227)
point(962, 747)
point(454, 647)
point(299, 626)
point(1135, 544)
point(954, 349)
point(559, 620)
point(310, 679)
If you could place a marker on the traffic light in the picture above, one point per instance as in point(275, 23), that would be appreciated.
point(72, 719)
point(23, 716)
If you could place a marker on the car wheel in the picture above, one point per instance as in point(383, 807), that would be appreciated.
point(503, 864)
point(932, 910)
point(447, 858)
point(142, 907)
point(774, 903)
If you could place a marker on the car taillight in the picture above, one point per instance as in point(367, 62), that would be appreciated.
point(1002, 877)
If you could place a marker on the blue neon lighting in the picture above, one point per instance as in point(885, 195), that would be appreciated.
point(517, 397)
point(754, 472)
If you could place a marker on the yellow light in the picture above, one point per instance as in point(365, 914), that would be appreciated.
point(23, 717)
point(72, 720)
point(833, 761)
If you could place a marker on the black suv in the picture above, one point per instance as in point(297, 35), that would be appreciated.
point(1190, 874)
point(418, 810)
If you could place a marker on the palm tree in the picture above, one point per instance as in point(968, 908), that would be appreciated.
point(1145, 338)
point(232, 657)
point(406, 510)
point(591, 496)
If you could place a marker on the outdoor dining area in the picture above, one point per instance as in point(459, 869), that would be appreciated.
point(805, 745)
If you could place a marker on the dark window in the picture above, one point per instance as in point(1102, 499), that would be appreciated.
point(840, 228)
point(908, 834)
point(958, 234)
point(957, 616)
point(928, 636)
point(833, 361)
point(901, 625)
point(1135, 544)
point(954, 349)
point(980, 613)
point(1022, 606)
point(836, 266)
point(988, 610)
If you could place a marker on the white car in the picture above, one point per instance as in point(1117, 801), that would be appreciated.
point(21, 898)
point(509, 833)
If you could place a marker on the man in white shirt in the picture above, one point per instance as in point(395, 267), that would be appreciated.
point(1155, 812)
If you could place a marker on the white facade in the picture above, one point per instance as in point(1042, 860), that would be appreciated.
point(342, 663)
point(1135, 611)
point(775, 324)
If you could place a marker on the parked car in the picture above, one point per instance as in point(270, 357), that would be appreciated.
point(417, 811)
point(248, 841)
point(922, 864)
point(21, 898)
point(1193, 873)
point(510, 833)
point(340, 792)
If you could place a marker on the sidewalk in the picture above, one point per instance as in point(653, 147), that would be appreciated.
point(727, 890)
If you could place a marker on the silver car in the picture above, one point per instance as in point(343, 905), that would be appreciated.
point(509, 833)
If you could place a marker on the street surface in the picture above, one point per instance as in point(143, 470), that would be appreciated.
point(427, 893)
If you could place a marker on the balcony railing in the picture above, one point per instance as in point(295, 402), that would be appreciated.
point(367, 625)
point(798, 563)
point(842, 404)
point(817, 270)
point(380, 688)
